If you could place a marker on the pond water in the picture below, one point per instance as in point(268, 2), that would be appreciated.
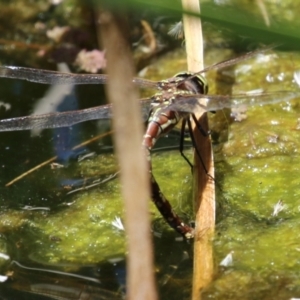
point(60, 244)
point(257, 162)
point(49, 231)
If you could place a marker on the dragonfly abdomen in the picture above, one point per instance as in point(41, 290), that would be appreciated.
point(160, 123)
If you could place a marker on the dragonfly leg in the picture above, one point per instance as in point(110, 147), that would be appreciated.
point(199, 127)
point(195, 146)
point(188, 122)
point(181, 143)
point(183, 125)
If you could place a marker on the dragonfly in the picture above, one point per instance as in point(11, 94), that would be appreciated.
point(180, 102)
point(178, 98)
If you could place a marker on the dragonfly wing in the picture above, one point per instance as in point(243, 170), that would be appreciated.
point(235, 60)
point(202, 103)
point(55, 120)
point(54, 77)
point(64, 119)
point(50, 77)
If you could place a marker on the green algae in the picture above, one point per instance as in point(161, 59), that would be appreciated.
point(255, 168)
point(82, 232)
point(257, 162)
point(258, 167)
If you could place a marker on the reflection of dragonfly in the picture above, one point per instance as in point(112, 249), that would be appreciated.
point(179, 98)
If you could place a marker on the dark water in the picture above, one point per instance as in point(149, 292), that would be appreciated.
point(65, 246)
point(74, 234)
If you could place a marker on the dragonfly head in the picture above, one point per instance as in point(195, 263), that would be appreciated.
point(195, 83)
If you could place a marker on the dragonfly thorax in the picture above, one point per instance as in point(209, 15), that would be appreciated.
point(166, 98)
point(196, 84)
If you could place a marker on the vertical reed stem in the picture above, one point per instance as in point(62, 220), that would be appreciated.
point(204, 189)
point(128, 140)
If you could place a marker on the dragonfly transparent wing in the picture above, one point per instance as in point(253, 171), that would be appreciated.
point(54, 77)
point(64, 119)
point(185, 103)
point(55, 120)
point(202, 103)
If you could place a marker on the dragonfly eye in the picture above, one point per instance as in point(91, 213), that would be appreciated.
point(191, 82)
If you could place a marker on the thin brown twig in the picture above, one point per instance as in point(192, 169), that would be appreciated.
point(50, 160)
point(149, 36)
point(262, 7)
point(18, 45)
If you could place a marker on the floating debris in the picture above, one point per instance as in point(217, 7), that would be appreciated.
point(57, 32)
point(118, 223)
point(91, 61)
point(228, 260)
point(278, 207)
point(4, 256)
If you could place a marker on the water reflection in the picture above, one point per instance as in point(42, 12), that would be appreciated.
point(41, 283)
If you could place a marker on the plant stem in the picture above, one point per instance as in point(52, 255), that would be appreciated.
point(132, 159)
point(204, 189)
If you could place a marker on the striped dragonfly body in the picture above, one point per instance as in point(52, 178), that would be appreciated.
point(162, 119)
point(160, 122)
